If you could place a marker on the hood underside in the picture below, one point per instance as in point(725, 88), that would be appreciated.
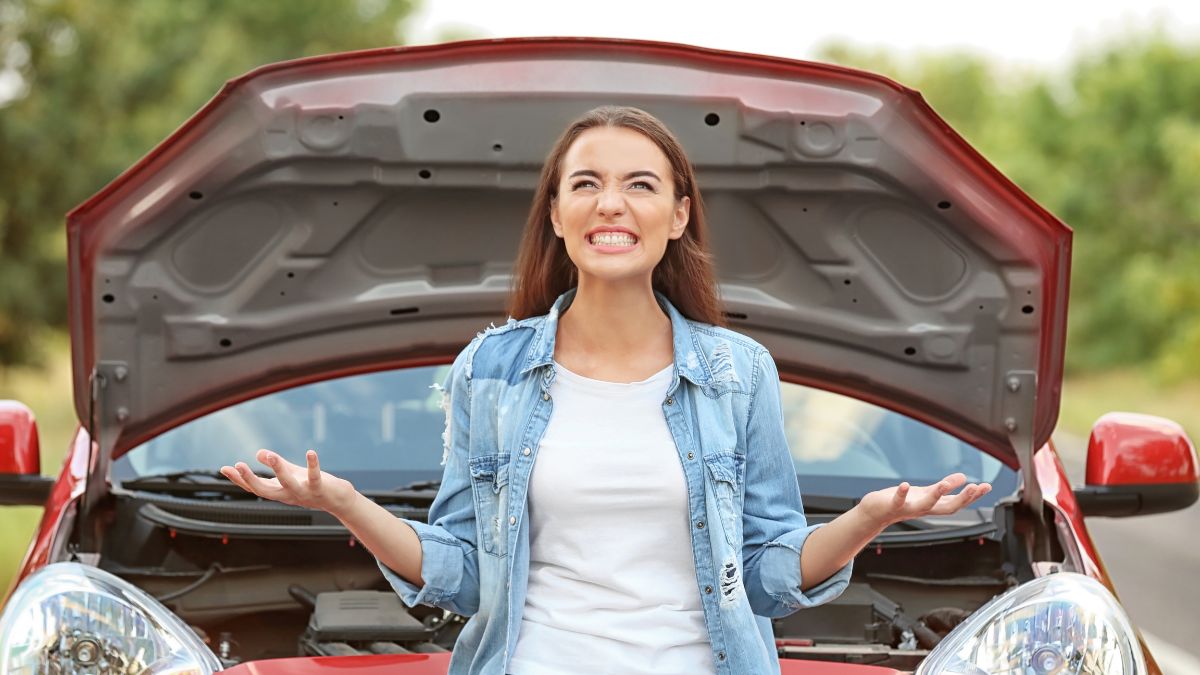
point(340, 212)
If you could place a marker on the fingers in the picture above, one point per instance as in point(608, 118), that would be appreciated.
point(314, 468)
point(291, 485)
point(232, 474)
point(980, 490)
point(283, 469)
point(971, 493)
point(953, 482)
point(248, 481)
point(901, 495)
point(934, 493)
point(276, 488)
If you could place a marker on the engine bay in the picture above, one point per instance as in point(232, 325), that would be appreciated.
point(260, 580)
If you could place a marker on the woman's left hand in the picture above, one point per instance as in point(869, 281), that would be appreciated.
point(894, 504)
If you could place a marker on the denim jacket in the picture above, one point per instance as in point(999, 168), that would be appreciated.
point(723, 410)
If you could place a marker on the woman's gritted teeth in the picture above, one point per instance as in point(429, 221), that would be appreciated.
point(612, 239)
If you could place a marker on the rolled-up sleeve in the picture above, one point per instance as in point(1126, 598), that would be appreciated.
point(443, 564)
point(773, 522)
point(449, 560)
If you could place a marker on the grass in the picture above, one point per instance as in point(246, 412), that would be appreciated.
point(1087, 397)
point(48, 393)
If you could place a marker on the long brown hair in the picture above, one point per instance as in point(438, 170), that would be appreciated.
point(684, 275)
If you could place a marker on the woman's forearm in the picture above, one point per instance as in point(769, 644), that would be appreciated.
point(389, 538)
point(830, 547)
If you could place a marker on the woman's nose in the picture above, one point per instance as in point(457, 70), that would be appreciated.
point(610, 202)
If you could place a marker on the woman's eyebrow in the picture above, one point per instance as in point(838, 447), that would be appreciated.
point(631, 174)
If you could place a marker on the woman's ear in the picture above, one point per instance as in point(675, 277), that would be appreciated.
point(554, 218)
point(683, 210)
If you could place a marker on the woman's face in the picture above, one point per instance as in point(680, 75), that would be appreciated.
point(616, 205)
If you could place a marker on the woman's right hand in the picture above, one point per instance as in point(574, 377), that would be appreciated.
point(309, 486)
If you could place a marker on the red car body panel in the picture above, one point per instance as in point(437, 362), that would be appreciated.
point(65, 494)
point(18, 430)
point(436, 664)
point(1160, 453)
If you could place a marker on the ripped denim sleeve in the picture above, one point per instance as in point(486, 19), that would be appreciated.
point(458, 383)
point(720, 361)
point(774, 526)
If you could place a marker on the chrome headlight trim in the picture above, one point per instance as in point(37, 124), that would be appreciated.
point(1063, 622)
point(81, 618)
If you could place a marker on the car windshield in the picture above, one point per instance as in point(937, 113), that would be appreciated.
point(383, 430)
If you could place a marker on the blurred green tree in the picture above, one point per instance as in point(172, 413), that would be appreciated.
point(89, 86)
point(1112, 147)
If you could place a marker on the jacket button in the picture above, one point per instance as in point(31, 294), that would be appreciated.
point(691, 456)
point(721, 656)
point(545, 396)
point(670, 401)
point(512, 520)
point(526, 452)
point(708, 589)
point(700, 524)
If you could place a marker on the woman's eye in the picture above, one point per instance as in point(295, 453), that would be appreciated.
point(582, 183)
point(643, 184)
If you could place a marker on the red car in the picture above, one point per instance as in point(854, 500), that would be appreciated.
point(303, 258)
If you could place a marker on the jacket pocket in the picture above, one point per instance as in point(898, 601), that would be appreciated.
point(489, 483)
point(726, 471)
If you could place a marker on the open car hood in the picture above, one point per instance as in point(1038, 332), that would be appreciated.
point(337, 213)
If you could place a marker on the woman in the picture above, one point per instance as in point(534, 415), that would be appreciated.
point(660, 526)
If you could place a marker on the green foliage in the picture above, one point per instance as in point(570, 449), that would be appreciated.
point(1112, 147)
point(98, 83)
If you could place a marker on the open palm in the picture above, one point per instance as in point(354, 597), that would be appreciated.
point(308, 486)
point(902, 502)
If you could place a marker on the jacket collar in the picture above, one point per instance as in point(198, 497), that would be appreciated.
point(689, 358)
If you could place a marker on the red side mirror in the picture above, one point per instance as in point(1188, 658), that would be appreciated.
point(21, 481)
point(1138, 464)
point(19, 451)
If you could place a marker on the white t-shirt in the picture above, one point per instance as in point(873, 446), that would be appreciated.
point(612, 581)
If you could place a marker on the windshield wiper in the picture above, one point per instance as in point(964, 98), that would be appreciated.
point(419, 486)
point(828, 504)
point(187, 475)
point(419, 492)
point(192, 480)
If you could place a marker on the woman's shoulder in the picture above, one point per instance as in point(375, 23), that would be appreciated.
point(734, 359)
point(710, 335)
point(510, 326)
point(502, 343)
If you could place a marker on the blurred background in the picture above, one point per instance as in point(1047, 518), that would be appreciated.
point(1093, 109)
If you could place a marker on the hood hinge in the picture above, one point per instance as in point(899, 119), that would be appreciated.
point(108, 410)
point(1020, 409)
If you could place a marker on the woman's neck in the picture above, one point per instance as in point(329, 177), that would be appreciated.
point(614, 324)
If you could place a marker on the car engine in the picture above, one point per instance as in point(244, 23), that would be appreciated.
point(259, 580)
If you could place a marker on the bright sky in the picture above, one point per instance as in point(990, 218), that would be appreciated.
point(1043, 33)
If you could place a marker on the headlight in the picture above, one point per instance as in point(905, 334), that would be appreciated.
point(1061, 623)
point(73, 619)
